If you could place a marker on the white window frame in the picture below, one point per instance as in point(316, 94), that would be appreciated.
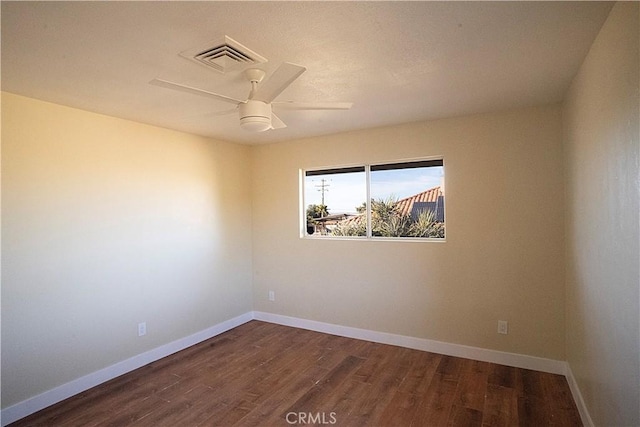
point(367, 170)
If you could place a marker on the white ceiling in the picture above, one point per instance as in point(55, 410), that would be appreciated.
point(396, 61)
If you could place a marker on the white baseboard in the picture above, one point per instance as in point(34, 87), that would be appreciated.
point(577, 397)
point(55, 395)
point(458, 350)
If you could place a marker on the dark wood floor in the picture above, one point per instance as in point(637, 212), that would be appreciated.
point(261, 374)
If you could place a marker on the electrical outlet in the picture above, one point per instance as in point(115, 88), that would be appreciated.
point(142, 329)
point(272, 295)
point(503, 327)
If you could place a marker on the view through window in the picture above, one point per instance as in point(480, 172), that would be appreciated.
point(391, 200)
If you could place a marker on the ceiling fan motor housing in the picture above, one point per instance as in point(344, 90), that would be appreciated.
point(255, 116)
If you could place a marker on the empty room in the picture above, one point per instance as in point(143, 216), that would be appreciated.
point(320, 213)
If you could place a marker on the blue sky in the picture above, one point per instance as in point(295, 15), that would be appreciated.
point(346, 191)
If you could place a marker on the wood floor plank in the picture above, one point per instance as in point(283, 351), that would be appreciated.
point(233, 413)
point(134, 411)
point(503, 376)
point(204, 404)
point(461, 416)
point(272, 411)
point(436, 405)
point(501, 407)
point(378, 356)
point(533, 411)
point(401, 409)
point(472, 387)
point(421, 372)
point(530, 384)
point(450, 367)
point(314, 400)
point(258, 374)
point(347, 396)
point(384, 376)
point(563, 410)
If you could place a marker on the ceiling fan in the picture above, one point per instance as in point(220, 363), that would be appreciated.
point(256, 112)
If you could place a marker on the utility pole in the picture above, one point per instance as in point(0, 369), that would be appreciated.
point(322, 188)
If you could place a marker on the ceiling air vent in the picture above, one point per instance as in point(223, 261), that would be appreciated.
point(223, 55)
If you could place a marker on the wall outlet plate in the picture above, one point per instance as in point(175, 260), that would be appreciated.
point(503, 327)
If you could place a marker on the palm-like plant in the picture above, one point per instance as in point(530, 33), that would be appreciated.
point(388, 221)
point(425, 225)
point(356, 226)
point(317, 211)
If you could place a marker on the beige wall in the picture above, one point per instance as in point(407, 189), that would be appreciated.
point(503, 258)
point(601, 125)
point(107, 223)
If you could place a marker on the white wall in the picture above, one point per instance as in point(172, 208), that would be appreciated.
point(107, 223)
point(503, 258)
point(601, 126)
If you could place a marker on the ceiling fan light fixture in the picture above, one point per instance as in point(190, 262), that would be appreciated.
point(255, 116)
point(255, 113)
point(255, 124)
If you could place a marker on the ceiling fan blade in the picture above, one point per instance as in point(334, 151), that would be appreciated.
point(224, 112)
point(193, 90)
point(278, 81)
point(276, 123)
point(290, 105)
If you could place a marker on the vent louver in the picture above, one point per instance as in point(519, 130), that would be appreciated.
point(223, 55)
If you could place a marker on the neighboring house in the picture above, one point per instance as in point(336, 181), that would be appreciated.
point(429, 200)
point(325, 224)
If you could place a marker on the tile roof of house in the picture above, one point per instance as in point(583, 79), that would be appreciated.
point(405, 205)
point(431, 195)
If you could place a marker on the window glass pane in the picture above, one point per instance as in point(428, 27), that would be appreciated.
point(407, 200)
point(334, 200)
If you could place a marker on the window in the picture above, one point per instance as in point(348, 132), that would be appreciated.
point(331, 197)
point(392, 200)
